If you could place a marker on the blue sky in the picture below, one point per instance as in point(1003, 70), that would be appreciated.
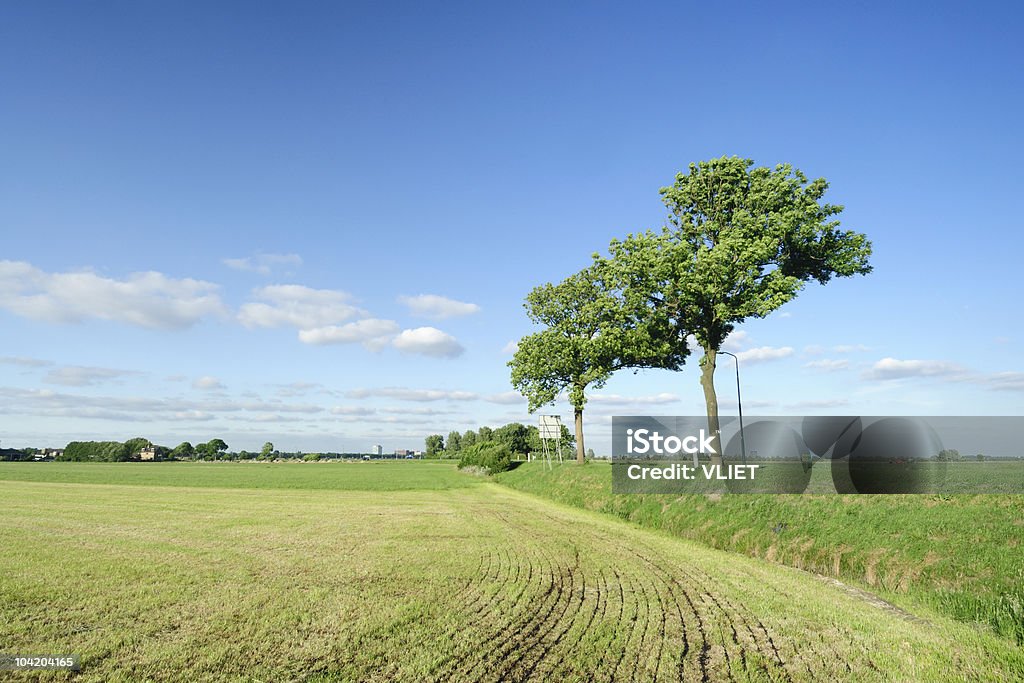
point(316, 223)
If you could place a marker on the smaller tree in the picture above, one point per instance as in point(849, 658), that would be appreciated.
point(484, 435)
point(183, 450)
point(453, 444)
point(267, 449)
point(435, 445)
point(515, 436)
point(136, 445)
point(468, 439)
point(588, 335)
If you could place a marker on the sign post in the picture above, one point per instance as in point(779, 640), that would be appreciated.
point(550, 429)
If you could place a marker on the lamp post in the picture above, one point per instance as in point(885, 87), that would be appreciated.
point(739, 403)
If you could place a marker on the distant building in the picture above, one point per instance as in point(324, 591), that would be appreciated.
point(378, 450)
point(148, 453)
point(402, 452)
point(48, 453)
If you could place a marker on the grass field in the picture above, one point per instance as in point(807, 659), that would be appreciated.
point(961, 554)
point(361, 575)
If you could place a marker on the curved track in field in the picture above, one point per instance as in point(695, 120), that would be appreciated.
point(553, 601)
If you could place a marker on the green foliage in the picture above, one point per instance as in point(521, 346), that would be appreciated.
point(311, 457)
point(515, 435)
point(183, 450)
point(484, 435)
point(268, 448)
point(741, 242)
point(588, 334)
point(949, 455)
point(435, 445)
point(96, 451)
point(492, 456)
point(468, 439)
point(136, 445)
point(453, 444)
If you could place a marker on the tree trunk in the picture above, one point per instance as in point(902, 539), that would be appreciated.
point(579, 436)
point(707, 381)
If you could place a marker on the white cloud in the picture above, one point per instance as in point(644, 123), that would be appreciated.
point(405, 394)
point(764, 353)
point(735, 341)
point(208, 383)
point(437, 307)
point(297, 306)
point(828, 364)
point(263, 264)
point(352, 410)
point(892, 368)
point(1006, 381)
point(47, 403)
point(654, 399)
point(372, 333)
point(147, 299)
point(506, 398)
point(510, 348)
point(81, 376)
point(428, 341)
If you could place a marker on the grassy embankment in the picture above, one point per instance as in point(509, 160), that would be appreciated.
point(961, 554)
point(415, 572)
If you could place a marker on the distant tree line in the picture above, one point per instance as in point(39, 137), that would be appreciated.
point(520, 439)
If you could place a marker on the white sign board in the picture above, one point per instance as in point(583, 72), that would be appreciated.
point(550, 427)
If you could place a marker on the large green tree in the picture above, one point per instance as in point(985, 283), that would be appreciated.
point(741, 241)
point(588, 334)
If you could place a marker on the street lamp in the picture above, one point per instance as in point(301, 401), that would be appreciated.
point(739, 403)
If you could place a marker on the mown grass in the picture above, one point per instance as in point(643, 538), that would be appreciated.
point(358, 475)
point(433, 584)
point(961, 554)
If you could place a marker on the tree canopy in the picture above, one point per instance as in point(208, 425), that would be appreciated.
point(740, 242)
point(588, 334)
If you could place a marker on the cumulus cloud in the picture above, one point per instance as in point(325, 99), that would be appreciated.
point(208, 383)
point(764, 353)
point(147, 299)
point(506, 398)
point(1005, 381)
point(437, 307)
point(372, 333)
point(828, 364)
point(892, 368)
point(736, 340)
point(297, 306)
point(428, 341)
point(352, 410)
point(263, 264)
point(652, 399)
point(406, 394)
point(82, 376)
